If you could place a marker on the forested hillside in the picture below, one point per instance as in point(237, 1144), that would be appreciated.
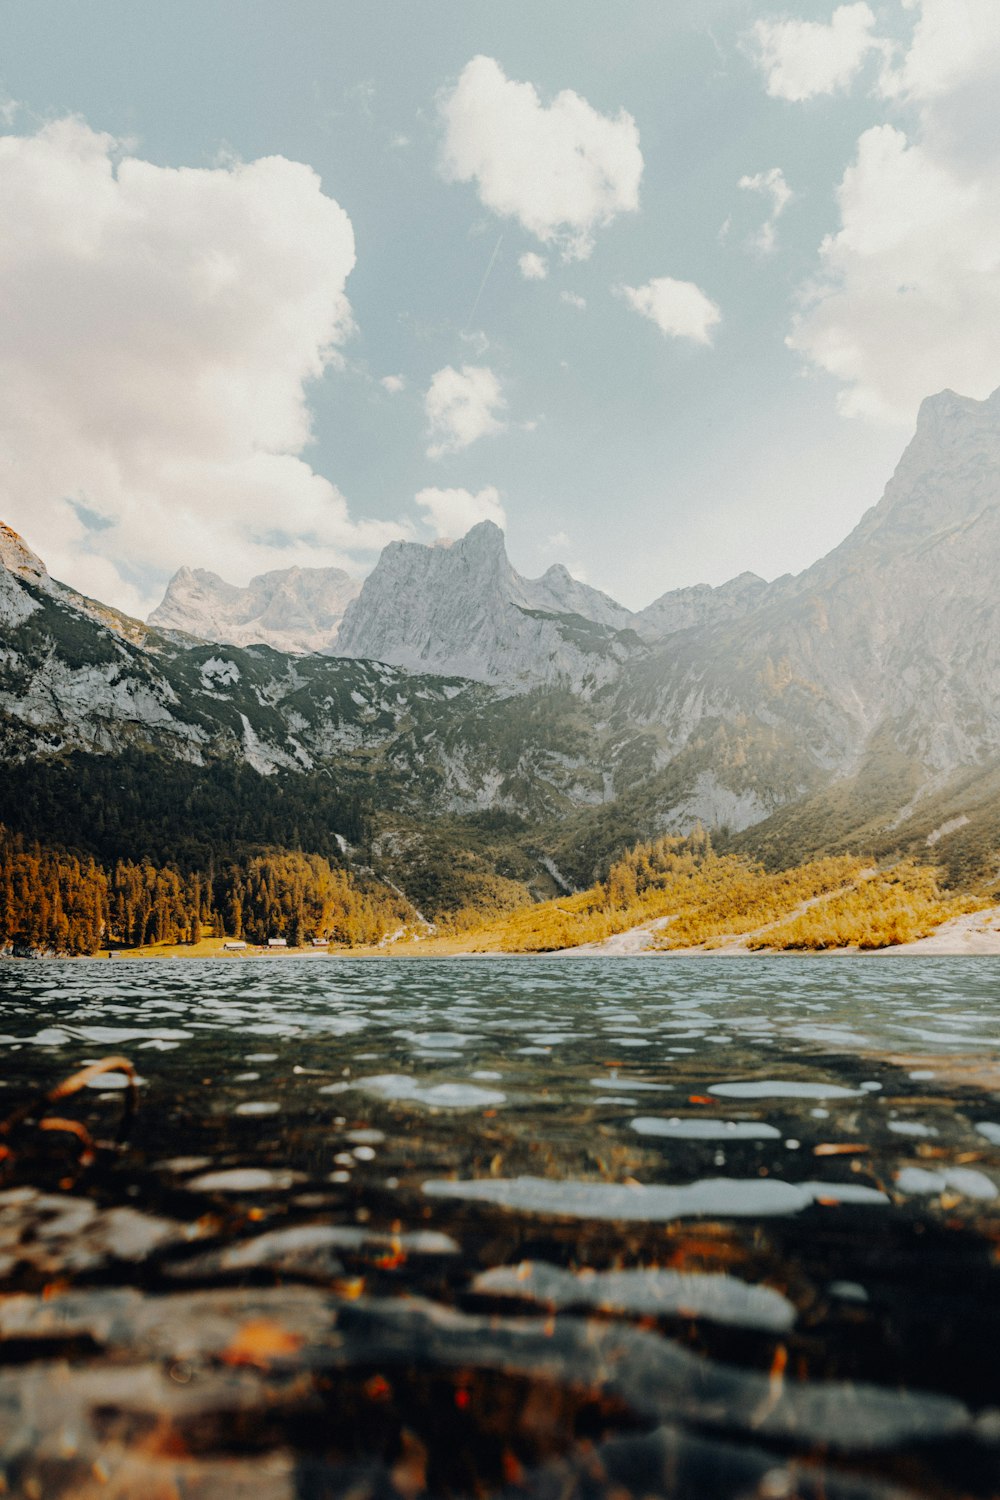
point(690, 896)
point(53, 900)
point(144, 806)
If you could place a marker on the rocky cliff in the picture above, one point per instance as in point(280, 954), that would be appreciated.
point(463, 610)
point(291, 609)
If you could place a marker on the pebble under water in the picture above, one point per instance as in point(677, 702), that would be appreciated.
point(544, 1227)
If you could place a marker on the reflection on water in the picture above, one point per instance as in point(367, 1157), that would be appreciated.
point(545, 1227)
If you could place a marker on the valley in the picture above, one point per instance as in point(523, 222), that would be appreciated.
point(471, 742)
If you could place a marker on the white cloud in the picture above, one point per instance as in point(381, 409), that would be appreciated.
point(461, 406)
point(909, 299)
point(678, 308)
point(158, 328)
point(478, 341)
point(562, 170)
point(954, 42)
point(533, 267)
point(801, 59)
point(393, 384)
point(573, 299)
point(452, 512)
point(774, 186)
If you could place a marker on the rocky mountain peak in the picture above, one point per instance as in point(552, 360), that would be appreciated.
point(947, 477)
point(484, 539)
point(293, 609)
point(946, 414)
point(465, 611)
point(17, 557)
point(701, 605)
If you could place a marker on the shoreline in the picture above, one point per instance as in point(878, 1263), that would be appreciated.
point(972, 935)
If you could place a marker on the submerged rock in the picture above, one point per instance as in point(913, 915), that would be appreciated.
point(54, 1234)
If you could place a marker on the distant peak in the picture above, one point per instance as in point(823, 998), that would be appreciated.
point(947, 406)
point(484, 534)
point(483, 545)
point(17, 557)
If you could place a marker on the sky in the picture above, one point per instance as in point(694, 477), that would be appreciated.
point(658, 287)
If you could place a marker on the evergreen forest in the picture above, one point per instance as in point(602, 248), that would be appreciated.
point(53, 900)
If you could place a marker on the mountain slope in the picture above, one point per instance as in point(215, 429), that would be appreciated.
point(292, 609)
point(894, 636)
point(70, 682)
point(699, 606)
point(463, 610)
point(855, 706)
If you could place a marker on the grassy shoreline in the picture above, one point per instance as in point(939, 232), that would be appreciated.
point(671, 896)
point(974, 934)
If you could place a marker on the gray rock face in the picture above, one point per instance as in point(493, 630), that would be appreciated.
point(700, 605)
point(292, 609)
point(456, 608)
point(463, 610)
point(17, 557)
point(557, 590)
point(898, 628)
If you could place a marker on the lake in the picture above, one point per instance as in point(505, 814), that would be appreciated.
point(700, 1228)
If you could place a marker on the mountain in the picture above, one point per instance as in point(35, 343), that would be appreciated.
point(17, 559)
point(73, 682)
point(463, 610)
point(856, 706)
point(19, 563)
point(895, 634)
point(292, 609)
point(699, 605)
point(858, 695)
point(453, 607)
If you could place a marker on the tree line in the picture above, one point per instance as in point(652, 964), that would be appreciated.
point(54, 900)
point(698, 897)
point(142, 806)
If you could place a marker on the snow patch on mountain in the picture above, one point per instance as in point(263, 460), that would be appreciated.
point(217, 673)
point(16, 604)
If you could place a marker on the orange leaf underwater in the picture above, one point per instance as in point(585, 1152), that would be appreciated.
point(261, 1341)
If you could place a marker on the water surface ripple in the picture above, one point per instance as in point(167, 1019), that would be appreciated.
point(549, 1226)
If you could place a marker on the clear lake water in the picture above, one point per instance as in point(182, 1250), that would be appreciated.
point(561, 1226)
